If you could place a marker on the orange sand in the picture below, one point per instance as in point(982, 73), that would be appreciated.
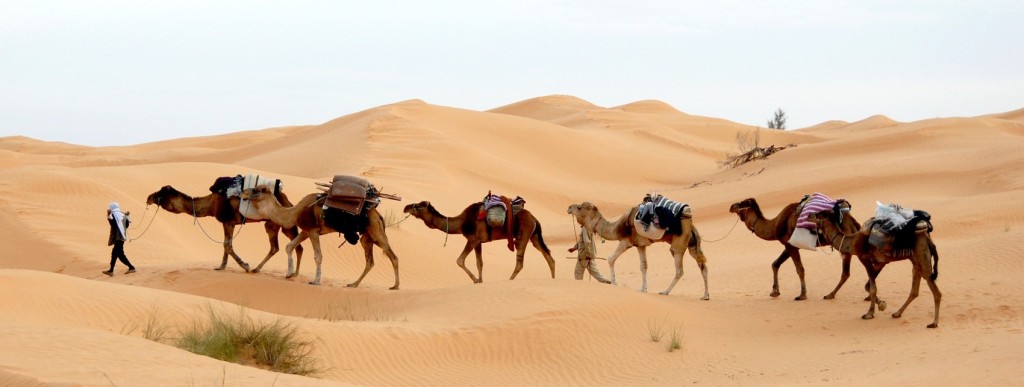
point(65, 323)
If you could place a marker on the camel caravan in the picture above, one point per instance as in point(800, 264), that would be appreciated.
point(348, 205)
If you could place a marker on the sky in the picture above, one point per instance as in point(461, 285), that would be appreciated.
point(103, 73)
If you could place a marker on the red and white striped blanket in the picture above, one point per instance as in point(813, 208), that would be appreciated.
point(817, 202)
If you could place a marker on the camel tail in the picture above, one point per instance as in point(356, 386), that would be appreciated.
point(935, 259)
point(540, 238)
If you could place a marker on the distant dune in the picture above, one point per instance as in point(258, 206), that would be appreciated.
point(65, 323)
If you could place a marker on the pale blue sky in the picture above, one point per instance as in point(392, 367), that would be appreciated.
point(127, 72)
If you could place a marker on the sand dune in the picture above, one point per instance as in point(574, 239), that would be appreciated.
point(65, 323)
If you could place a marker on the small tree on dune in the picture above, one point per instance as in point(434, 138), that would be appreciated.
point(779, 122)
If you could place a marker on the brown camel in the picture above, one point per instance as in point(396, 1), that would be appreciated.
point(623, 231)
point(874, 260)
point(226, 212)
point(308, 215)
point(477, 232)
point(780, 228)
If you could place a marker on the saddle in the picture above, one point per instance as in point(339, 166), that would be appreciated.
point(351, 194)
point(495, 210)
point(657, 214)
point(894, 229)
point(346, 200)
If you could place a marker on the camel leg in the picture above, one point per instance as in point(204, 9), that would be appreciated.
point(704, 273)
point(318, 257)
point(872, 291)
point(229, 248)
point(842, 279)
point(521, 245)
point(643, 267)
point(915, 286)
point(228, 230)
point(547, 254)
point(462, 262)
point(621, 248)
point(272, 230)
point(520, 255)
point(367, 244)
point(800, 273)
point(775, 271)
point(702, 261)
point(479, 254)
point(292, 246)
point(380, 238)
point(678, 258)
point(937, 295)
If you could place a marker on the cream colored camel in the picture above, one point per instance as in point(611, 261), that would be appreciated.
point(225, 210)
point(477, 232)
point(874, 260)
point(623, 231)
point(307, 214)
point(780, 228)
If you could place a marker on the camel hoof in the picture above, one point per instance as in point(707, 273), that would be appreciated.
point(663, 293)
point(882, 305)
point(393, 287)
point(706, 298)
point(352, 285)
point(896, 315)
point(314, 283)
point(801, 298)
point(254, 271)
point(219, 268)
point(775, 294)
point(867, 316)
point(933, 325)
point(289, 276)
point(830, 297)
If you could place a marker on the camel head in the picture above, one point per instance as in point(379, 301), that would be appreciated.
point(745, 204)
point(586, 214)
point(163, 195)
point(259, 196)
point(821, 218)
point(419, 210)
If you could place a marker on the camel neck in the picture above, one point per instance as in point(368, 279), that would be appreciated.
point(447, 224)
point(756, 223)
point(606, 229)
point(845, 241)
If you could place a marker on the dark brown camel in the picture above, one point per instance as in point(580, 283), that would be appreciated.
point(477, 232)
point(226, 212)
point(780, 228)
point(308, 215)
point(874, 260)
point(623, 231)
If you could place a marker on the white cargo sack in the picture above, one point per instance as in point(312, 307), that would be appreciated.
point(804, 239)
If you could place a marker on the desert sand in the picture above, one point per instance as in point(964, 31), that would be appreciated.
point(65, 323)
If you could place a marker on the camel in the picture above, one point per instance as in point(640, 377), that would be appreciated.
point(622, 230)
point(308, 215)
point(477, 232)
point(780, 228)
point(225, 210)
point(923, 251)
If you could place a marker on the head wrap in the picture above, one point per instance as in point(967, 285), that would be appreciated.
point(118, 217)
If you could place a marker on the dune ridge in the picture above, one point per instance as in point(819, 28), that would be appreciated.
point(65, 323)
